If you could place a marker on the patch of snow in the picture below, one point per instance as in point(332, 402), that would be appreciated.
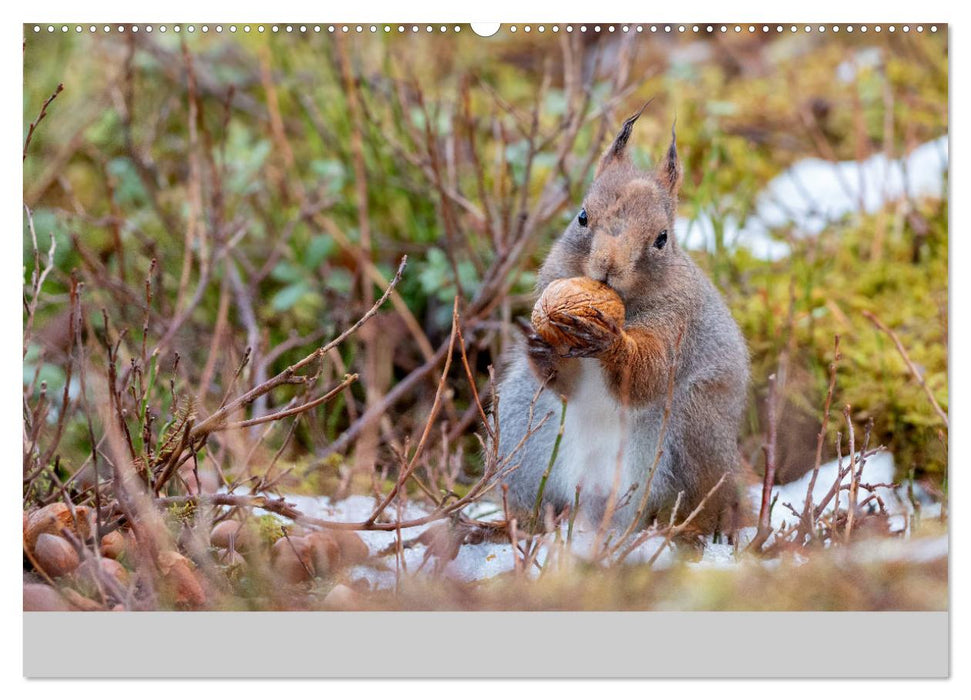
point(813, 193)
point(475, 562)
point(847, 71)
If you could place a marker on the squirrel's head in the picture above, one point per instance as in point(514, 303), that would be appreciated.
point(623, 233)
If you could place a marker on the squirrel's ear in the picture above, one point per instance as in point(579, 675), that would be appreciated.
point(669, 169)
point(616, 150)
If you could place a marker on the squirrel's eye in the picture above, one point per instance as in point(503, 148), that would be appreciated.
point(661, 239)
point(582, 218)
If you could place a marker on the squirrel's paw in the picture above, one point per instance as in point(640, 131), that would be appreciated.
point(541, 354)
point(593, 336)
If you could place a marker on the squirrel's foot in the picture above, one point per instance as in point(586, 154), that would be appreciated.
point(594, 336)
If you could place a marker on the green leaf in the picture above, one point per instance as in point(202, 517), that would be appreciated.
point(286, 298)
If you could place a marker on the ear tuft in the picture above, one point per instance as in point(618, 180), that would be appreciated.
point(621, 141)
point(616, 150)
point(669, 170)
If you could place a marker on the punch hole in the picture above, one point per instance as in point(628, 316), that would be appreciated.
point(485, 28)
point(906, 28)
point(737, 29)
point(64, 28)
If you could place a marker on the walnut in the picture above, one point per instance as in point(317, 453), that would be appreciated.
point(576, 298)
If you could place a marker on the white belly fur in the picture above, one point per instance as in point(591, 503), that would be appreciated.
point(594, 438)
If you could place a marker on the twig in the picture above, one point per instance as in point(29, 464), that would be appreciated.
point(40, 117)
point(807, 524)
point(910, 365)
point(403, 476)
point(287, 375)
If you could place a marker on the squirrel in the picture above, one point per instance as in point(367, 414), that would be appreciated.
point(617, 382)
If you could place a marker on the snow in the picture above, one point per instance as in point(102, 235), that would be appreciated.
point(813, 193)
point(475, 562)
point(877, 469)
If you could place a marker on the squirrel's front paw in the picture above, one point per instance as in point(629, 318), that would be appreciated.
point(541, 354)
point(593, 336)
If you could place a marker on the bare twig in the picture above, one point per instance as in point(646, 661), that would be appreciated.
point(910, 365)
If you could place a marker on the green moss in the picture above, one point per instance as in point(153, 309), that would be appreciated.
point(881, 264)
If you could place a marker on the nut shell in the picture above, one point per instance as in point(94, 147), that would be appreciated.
point(54, 518)
point(55, 555)
point(180, 580)
point(574, 298)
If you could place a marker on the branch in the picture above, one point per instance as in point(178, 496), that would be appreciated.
point(910, 365)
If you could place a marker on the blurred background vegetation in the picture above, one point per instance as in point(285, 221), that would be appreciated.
point(263, 173)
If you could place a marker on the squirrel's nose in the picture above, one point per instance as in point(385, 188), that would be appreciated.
point(603, 273)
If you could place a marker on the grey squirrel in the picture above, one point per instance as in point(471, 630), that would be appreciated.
point(615, 380)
